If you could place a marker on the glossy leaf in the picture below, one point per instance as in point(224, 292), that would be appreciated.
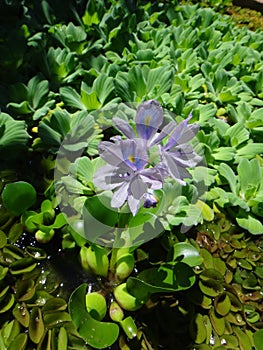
point(99, 215)
point(186, 253)
point(167, 278)
point(129, 327)
point(97, 334)
point(36, 325)
point(21, 313)
point(96, 305)
point(18, 197)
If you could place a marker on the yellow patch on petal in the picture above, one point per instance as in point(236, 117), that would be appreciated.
point(148, 120)
point(131, 158)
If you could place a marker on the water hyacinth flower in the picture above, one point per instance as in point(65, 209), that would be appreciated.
point(129, 173)
point(149, 119)
point(126, 173)
point(177, 155)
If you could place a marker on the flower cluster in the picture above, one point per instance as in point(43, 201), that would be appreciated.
point(129, 171)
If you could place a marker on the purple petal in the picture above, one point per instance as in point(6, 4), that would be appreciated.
point(134, 205)
point(185, 156)
point(124, 127)
point(137, 188)
point(177, 172)
point(120, 195)
point(182, 133)
point(148, 119)
point(108, 177)
point(166, 130)
point(152, 177)
point(134, 153)
point(112, 154)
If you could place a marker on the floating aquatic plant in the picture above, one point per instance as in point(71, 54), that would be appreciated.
point(129, 171)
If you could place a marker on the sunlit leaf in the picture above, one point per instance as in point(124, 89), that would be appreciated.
point(97, 334)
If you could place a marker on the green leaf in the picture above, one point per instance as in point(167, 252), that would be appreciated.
point(167, 278)
point(250, 176)
point(36, 325)
point(13, 133)
point(229, 175)
point(251, 224)
point(258, 339)
point(103, 86)
point(21, 107)
point(37, 91)
point(99, 217)
point(129, 327)
point(97, 334)
point(53, 129)
point(243, 339)
point(186, 253)
point(83, 170)
point(159, 81)
point(96, 305)
point(90, 101)
point(62, 339)
point(123, 87)
point(224, 153)
point(250, 150)
point(238, 134)
point(19, 343)
point(71, 98)
point(18, 197)
point(206, 212)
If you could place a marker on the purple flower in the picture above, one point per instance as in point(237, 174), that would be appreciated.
point(177, 155)
point(126, 172)
point(149, 119)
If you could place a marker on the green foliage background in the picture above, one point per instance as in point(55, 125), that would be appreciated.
point(62, 61)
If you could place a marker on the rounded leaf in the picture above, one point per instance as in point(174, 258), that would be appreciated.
point(97, 334)
point(187, 253)
point(18, 197)
point(125, 299)
point(129, 327)
point(124, 266)
point(21, 313)
point(222, 304)
point(96, 305)
point(56, 318)
point(211, 287)
point(62, 339)
point(22, 266)
point(198, 329)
